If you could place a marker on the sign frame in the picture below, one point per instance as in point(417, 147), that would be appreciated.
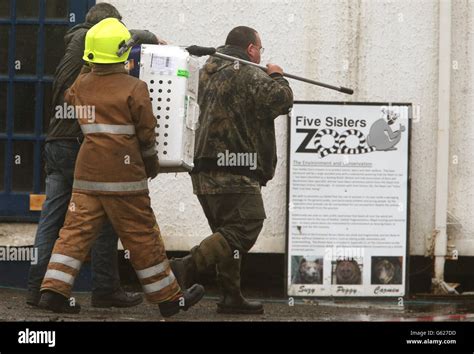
point(408, 201)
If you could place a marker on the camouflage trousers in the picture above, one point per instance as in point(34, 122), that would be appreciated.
point(237, 217)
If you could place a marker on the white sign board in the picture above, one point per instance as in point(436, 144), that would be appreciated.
point(348, 199)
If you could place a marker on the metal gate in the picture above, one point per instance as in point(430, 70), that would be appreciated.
point(31, 45)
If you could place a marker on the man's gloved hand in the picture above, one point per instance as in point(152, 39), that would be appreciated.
point(274, 69)
point(147, 37)
point(152, 166)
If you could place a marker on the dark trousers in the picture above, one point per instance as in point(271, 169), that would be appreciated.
point(237, 217)
point(60, 157)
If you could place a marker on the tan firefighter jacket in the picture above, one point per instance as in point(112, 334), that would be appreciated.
point(116, 118)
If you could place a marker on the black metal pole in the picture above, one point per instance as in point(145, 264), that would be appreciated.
point(201, 51)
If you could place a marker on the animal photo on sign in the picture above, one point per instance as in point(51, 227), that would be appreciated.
point(347, 271)
point(387, 270)
point(306, 270)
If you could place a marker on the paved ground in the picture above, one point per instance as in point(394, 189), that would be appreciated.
point(13, 308)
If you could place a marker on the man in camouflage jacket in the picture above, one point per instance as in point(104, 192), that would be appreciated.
point(235, 155)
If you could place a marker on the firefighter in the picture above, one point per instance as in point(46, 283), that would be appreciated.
point(238, 105)
point(62, 146)
point(110, 177)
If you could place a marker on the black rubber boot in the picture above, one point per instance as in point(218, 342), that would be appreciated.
point(185, 271)
point(117, 299)
point(202, 257)
point(232, 301)
point(189, 298)
point(33, 298)
point(57, 303)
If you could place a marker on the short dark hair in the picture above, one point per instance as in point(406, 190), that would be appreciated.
point(102, 11)
point(241, 37)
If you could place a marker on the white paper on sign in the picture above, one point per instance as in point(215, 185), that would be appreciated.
point(162, 63)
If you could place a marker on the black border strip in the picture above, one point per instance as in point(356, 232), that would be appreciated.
point(153, 337)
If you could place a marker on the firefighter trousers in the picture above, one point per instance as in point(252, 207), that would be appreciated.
point(134, 221)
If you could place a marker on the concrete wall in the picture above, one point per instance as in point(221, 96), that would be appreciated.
point(387, 50)
point(461, 172)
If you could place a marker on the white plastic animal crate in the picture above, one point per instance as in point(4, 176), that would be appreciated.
point(172, 76)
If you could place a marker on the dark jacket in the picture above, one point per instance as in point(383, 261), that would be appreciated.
point(66, 73)
point(238, 106)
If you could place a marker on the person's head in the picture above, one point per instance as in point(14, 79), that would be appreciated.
point(247, 39)
point(102, 11)
point(103, 41)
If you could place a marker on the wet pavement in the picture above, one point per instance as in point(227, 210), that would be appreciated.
point(13, 308)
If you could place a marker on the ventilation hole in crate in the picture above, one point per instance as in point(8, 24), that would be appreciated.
point(157, 125)
point(168, 99)
point(151, 98)
point(167, 126)
point(159, 99)
point(167, 117)
point(165, 144)
point(165, 152)
point(158, 117)
point(169, 91)
point(159, 108)
point(167, 108)
point(160, 82)
point(152, 82)
point(160, 90)
point(166, 135)
point(170, 82)
point(151, 90)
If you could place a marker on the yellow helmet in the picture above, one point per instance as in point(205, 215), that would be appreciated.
point(103, 41)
